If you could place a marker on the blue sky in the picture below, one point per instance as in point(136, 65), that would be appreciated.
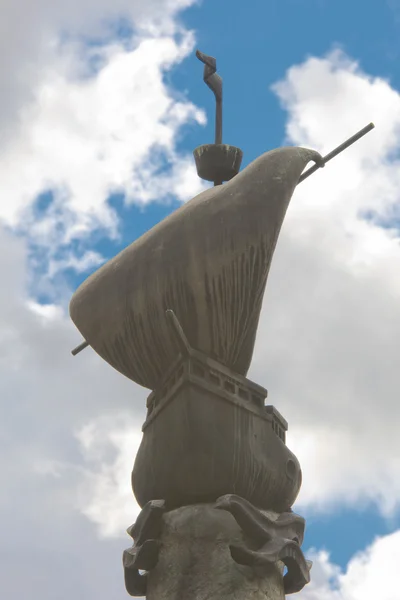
point(98, 125)
point(255, 46)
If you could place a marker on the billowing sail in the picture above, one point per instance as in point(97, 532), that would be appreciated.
point(208, 262)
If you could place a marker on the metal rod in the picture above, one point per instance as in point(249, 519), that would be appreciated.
point(176, 328)
point(79, 348)
point(214, 82)
point(218, 121)
point(337, 151)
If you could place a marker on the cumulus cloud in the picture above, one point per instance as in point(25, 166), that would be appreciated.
point(68, 436)
point(109, 445)
point(83, 140)
point(88, 115)
point(32, 35)
point(45, 396)
point(328, 343)
point(369, 574)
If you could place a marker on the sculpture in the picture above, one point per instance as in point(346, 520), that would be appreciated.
point(177, 312)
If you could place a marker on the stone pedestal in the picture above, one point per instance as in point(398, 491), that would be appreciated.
point(229, 550)
point(195, 561)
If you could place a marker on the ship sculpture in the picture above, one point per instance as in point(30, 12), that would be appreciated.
point(177, 312)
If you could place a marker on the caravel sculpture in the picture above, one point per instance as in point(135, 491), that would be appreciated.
point(177, 312)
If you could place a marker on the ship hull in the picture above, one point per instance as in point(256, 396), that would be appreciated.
point(210, 435)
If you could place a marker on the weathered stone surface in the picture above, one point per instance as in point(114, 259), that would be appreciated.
point(230, 548)
point(195, 561)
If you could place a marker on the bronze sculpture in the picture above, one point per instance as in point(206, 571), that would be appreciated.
point(177, 312)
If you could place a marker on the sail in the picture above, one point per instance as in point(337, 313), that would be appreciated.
point(208, 262)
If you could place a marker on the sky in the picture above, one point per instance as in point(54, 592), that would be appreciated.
point(102, 103)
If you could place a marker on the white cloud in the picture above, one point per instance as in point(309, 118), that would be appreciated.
point(370, 574)
point(109, 445)
point(87, 114)
point(328, 343)
point(30, 37)
point(85, 139)
point(44, 395)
